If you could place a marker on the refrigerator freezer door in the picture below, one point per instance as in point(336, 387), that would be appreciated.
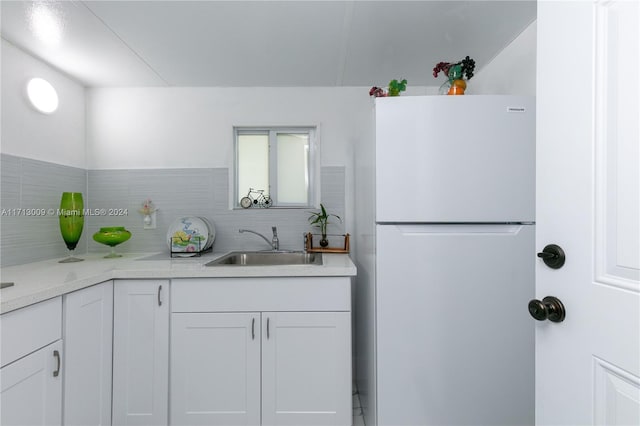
point(455, 343)
point(455, 159)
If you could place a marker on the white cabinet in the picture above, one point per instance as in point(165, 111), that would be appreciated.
point(88, 325)
point(275, 365)
point(31, 389)
point(31, 373)
point(306, 368)
point(140, 352)
point(215, 369)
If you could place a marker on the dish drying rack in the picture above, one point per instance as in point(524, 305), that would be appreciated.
point(183, 254)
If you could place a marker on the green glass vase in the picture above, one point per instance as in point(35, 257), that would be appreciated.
point(71, 217)
point(112, 236)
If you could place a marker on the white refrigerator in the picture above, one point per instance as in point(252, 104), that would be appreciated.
point(454, 260)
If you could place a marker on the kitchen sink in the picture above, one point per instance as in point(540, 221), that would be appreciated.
point(267, 258)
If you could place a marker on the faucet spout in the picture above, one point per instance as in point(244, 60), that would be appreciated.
point(274, 243)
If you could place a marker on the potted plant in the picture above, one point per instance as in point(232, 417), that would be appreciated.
point(321, 220)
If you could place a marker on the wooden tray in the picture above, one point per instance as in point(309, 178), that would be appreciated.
point(311, 249)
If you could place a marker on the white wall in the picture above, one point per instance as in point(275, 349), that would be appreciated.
point(193, 127)
point(57, 138)
point(512, 71)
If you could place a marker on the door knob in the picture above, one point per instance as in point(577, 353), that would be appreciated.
point(552, 256)
point(550, 308)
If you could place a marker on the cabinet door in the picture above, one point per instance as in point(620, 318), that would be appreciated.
point(306, 368)
point(215, 369)
point(30, 393)
point(88, 325)
point(140, 352)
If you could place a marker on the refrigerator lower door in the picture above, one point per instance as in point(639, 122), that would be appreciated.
point(455, 343)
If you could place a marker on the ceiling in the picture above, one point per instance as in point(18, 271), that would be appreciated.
point(261, 43)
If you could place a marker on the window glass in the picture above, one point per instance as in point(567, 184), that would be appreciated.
point(253, 163)
point(293, 168)
point(277, 161)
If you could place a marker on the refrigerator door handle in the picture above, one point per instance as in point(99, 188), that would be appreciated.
point(456, 229)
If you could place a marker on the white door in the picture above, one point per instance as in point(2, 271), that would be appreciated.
point(306, 368)
point(588, 366)
point(31, 389)
point(215, 369)
point(140, 352)
point(88, 336)
point(454, 339)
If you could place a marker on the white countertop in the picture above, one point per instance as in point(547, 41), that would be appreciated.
point(38, 281)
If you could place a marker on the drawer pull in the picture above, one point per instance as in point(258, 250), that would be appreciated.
point(56, 355)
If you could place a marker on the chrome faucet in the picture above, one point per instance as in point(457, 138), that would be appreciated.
point(275, 243)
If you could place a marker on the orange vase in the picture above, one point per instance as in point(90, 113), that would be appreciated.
point(457, 87)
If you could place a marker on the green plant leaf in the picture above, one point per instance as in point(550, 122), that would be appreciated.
point(321, 218)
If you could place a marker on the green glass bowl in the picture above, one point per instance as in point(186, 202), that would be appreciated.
point(112, 236)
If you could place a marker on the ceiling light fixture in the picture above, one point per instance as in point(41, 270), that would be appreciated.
point(42, 95)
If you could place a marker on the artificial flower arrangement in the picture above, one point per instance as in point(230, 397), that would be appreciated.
point(395, 87)
point(147, 209)
point(456, 72)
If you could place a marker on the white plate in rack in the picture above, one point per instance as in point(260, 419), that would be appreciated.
point(212, 232)
point(189, 234)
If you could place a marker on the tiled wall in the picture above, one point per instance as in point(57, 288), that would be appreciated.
point(30, 183)
point(33, 184)
point(199, 192)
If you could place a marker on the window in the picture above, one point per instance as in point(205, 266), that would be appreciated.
point(278, 161)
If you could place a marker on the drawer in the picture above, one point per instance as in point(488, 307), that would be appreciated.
point(261, 294)
point(29, 329)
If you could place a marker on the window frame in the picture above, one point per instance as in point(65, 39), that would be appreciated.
point(272, 132)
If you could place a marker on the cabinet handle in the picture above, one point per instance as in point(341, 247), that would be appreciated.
point(253, 329)
point(56, 355)
point(267, 327)
point(159, 300)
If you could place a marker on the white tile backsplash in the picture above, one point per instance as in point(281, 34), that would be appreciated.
point(33, 184)
point(199, 192)
point(204, 192)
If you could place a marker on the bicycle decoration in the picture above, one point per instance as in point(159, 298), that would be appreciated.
point(256, 198)
point(455, 72)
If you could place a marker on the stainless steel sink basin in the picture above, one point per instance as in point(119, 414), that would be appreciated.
point(264, 258)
